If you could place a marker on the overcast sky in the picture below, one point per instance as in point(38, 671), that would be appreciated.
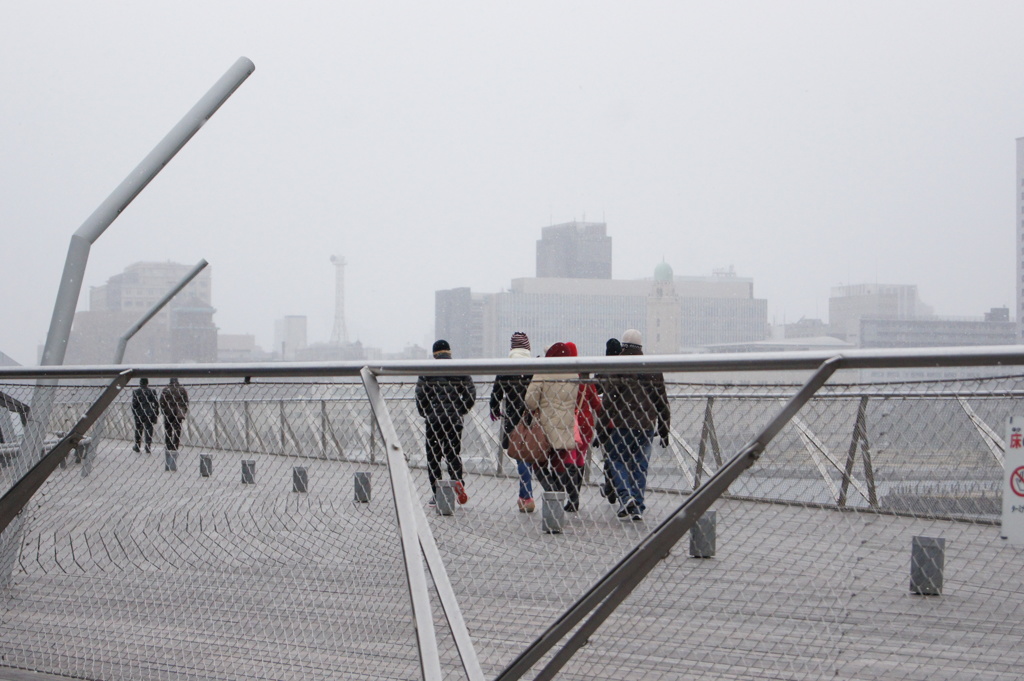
point(806, 144)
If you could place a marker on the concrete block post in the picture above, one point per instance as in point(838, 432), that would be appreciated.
point(927, 559)
point(362, 487)
point(702, 536)
point(171, 461)
point(205, 465)
point(552, 512)
point(300, 479)
point(444, 497)
point(249, 472)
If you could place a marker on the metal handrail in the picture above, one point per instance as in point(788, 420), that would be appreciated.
point(904, 358)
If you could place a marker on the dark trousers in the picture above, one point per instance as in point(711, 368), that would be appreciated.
point(444, 442)
point(568, 480)
point(143, 427)
point(172, 432)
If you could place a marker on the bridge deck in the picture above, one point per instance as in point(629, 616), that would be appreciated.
point(137, 572)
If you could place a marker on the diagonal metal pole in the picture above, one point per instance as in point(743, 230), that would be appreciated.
point(78, 255)
point(94, 226)
point(122, 342)
point(19, 495)
point(608, 593)
point(426, 639)
point(445, 592)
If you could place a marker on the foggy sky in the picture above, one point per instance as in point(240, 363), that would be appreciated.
point(806, 144)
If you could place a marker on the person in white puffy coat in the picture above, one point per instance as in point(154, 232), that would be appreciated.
point(551, 398)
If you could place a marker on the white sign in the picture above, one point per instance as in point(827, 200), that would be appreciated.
point(1013, 482)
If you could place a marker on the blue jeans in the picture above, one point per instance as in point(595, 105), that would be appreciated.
point(525, 481)
point(630, 454)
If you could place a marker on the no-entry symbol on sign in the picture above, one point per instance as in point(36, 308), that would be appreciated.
point(1017, 481)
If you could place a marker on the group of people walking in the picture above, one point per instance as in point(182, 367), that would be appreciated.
point(147, 408)
point(619, 412)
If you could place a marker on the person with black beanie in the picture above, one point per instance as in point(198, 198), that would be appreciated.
point(443, 401)
point(603, 427)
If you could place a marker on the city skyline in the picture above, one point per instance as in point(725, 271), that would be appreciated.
point(807, 146)
point(836, 321)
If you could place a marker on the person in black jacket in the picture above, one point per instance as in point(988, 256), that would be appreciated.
point(602, 429)
point(442, 401)
point(145, 411)
point(507, 404)
point(637, 409)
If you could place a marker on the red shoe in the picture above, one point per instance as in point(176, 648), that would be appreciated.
point(460, 493)
point(526, 505)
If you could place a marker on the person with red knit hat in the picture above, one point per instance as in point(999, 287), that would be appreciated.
point(551, 398)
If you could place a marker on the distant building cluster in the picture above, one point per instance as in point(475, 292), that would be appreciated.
point(182, 332)
point(574, 297)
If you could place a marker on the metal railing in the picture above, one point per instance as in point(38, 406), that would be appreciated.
point(235, 580)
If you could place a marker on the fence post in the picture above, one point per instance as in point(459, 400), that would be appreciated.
point(362, 487)
point(246, 423)
point(927, 559)
point(702, 536)
point(300, 479)
point(373, 438)
point(284, 430)
point(323, 427)
point(249, 472)
point(707, 434)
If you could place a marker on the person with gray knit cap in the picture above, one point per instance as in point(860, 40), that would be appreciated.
point(443, 401)
point(636, 405)
point(507, 404)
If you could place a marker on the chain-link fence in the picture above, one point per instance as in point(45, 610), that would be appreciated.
point(268, 544)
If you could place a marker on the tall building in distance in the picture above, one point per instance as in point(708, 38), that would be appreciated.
point(290, 336)
point(676, 314)
point(574, 250)
point(848, 306)
point(182, 332)
point(1018, 316)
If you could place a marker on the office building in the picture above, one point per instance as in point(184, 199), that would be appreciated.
point(848, 305)
point(575, 250)
point(675, 313)
point(290, 337)
point(1019, 258)
point(182, 332)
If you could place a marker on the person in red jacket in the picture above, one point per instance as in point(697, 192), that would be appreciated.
point(588, 406)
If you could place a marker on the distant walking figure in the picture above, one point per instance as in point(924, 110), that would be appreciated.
point(174, 406)
point(442, 401)
point(145, 411)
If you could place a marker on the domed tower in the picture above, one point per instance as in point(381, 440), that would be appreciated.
point(663, 273)
point(664, 317)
